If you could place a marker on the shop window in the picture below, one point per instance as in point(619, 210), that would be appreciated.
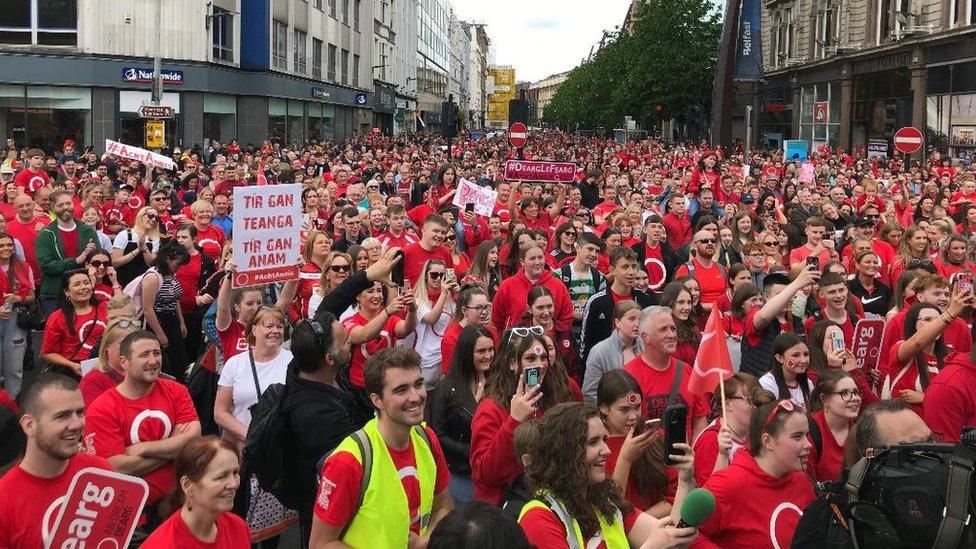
point(39, 22)
point(219, 117)
point(279, 40)
point(223, 35)
point(296, 122)
point(44, 116)
point(277, 120)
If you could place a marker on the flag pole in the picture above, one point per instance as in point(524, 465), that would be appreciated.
point(721, 389)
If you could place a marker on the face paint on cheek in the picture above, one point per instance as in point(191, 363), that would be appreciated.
point(790, 363)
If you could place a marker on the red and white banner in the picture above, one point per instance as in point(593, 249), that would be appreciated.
point(101, 509)
point(267, 233)
point(136, 153)
point(867, 343)
point(535, 170)
point(713, 362)
point(483, 198)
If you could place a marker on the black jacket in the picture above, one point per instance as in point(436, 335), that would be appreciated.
point(451, 412)
point(598, 317)
point(318, 420)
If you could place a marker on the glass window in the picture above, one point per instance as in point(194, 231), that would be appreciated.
point(279, 39)
point(345, 66)
point(332, 64)
point(44, 116)
point(223, 37)
point(345, 12)
point(296, 119)
point(316, 58)
point(300, 59)
point(355, 71)
point(355, 15)
point(219, 117)
point(332, 9)
point(277, 127)
point(44, 22)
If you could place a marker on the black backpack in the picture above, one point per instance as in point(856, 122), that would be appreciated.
point(263, 455)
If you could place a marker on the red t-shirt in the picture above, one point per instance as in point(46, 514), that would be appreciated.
point(69, 239)
point(341, 476)
point(30, 504)
point(414, 257)
point(904, 375)
point(390, 240)
point(654, 264)
point(544, 529)
point(232, 340)
point(77, 344)
point(361, 352)
point(103, 291)
point(712, 281)
point(188, 277)
point(30, 180)
point(631, 493)
point(232, 533)
point(617, 298)
point(114, 422)
point(826, 466)
point(26, 233)
point(210, 241)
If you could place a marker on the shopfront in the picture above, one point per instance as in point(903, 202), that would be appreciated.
point(45, 116)
point(951, 108)
point(384, 107)
point(219, 117)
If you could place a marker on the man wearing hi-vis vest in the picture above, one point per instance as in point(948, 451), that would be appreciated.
point(406, 492)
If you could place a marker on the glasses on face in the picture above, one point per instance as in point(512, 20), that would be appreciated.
point(848, 395)
point(771, 244)
point(435, 275)
point(372, 188)
point(706, 241)
point(339, 268)
point(582, 215)
point(481, 309)
point(450, 237)
point(570, 234)
point(97, 263)
point(151, 217)
point(872, 217)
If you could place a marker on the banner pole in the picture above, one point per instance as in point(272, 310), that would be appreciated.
point(721, 389)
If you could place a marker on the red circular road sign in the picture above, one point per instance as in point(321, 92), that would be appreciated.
point(908, 140)
point(518, 134)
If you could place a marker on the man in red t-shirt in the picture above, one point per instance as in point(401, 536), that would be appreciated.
point(53, 420)
point(710, 275)
point(676, 222)
point(397, 235)
point(430, 247)
point(33, 177)
point(141, 425)
point(396, 388)
point(24, 228)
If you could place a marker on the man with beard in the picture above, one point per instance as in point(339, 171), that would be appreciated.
point(406, 494)
point(141, 425)
point(711, 276)
point(53, 419)
point(61, 246)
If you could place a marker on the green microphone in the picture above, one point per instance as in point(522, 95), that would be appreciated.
point(697, 507)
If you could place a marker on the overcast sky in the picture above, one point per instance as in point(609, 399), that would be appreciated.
point(542, 37)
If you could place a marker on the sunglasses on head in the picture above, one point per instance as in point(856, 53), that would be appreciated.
point(126, 322)
point(786, 405)
point(339, 268)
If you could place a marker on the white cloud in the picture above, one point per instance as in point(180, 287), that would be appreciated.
point(543, 37)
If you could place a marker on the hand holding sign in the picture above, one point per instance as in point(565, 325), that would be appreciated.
point(101, 510)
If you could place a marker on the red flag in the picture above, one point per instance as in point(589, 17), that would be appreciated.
point(713, 360)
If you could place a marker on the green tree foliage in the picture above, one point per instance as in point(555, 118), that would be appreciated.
point(668, 61)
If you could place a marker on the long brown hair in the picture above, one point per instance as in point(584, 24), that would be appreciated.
point(502, 382)
point(558, 466)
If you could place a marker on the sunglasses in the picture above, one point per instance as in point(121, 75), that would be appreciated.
point(706, 241)
point(151, 217)
point(583, 215)
point(125, 323)
point(571, 234)
point(786, 405)
point(524, 332)
point(99, 263)
point(450, 237)
point(770, 244)
point(435, 275)
point(339, 268)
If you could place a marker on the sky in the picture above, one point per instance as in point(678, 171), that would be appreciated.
point(542, 37)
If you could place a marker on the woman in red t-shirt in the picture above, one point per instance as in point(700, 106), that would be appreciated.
point(568, 464)
point(834, 406)
point(636, 459)
point(103, 277)
point(210, 238)
point(716, 445)
point(16, 287)
point(318, 246)
point(206, 480)
point(679, 299)
point(73, 329)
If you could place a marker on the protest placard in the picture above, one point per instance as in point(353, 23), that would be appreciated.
point(101, 509)
point(483, 198)
point(535, 170)
point(267, 226)
point(142, 155)
point(867, 343)
point(806, 172)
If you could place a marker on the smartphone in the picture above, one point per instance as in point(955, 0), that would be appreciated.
point(837, 340)
point(813, 261)
point(964, 281)
point(397, 274)
point(450, 277)
point(532, 376)
point(675, 427)
point(469, 207)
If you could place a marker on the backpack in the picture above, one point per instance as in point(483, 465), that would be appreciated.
point(263, 456)
point(134, 289)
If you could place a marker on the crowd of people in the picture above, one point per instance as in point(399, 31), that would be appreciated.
point(513, 380)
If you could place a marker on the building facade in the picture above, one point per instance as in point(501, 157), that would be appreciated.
point(477, 75)
point(292, 70)
point(460, 51)
point(433, 60)
point(545, 89)
point(384, 84)
point(501, 91)
point(850, 73)
point(405, 20)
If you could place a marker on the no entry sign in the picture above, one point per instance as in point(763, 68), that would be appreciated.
point(908, 140)
point(518, 135)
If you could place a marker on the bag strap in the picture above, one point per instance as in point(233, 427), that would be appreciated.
point(254, 372)
point(816, 436)
point(366, 456)
point(679, 367)
point(81, 344)
point(955, 515)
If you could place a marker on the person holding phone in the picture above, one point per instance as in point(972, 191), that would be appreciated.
point(788, 377)
point(816, 246)
point(509, 400)
point(825, 340)
point(568, 467)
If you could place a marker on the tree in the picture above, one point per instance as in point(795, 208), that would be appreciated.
point(668, 60)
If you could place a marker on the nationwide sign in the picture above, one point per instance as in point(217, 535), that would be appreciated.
point(145, 76)
point(534, 170)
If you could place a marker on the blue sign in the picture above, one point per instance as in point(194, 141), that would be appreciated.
point(748, 45)
point(796, 149)
point(320, 93)
point(145, 76)
point(360, 98)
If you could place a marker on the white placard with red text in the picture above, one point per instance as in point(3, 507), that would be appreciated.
point(483, 198)
point(867, 343)
point(267, 227)
point(136, 153)
point(101, 509)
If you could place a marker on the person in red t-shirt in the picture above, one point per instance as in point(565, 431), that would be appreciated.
point(210, 238)
point(834, 404)
point(206, 472)
point(53, 420)
point(72, 331)
point(24, 228)
point(952, 258)
point(429, 247)
point(33, 177)
point(564, 460)
point(710, 275)
point(396, 388)
point(141, 425)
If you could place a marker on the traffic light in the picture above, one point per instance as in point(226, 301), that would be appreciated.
point(450, 119)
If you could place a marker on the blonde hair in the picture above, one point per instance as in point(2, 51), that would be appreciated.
point(324, 288)
point(116, 302)
point(421, 294)
point(114, 332)
point(310, 243)
point(200, 204)
point(258, 317)
point(139, 227)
